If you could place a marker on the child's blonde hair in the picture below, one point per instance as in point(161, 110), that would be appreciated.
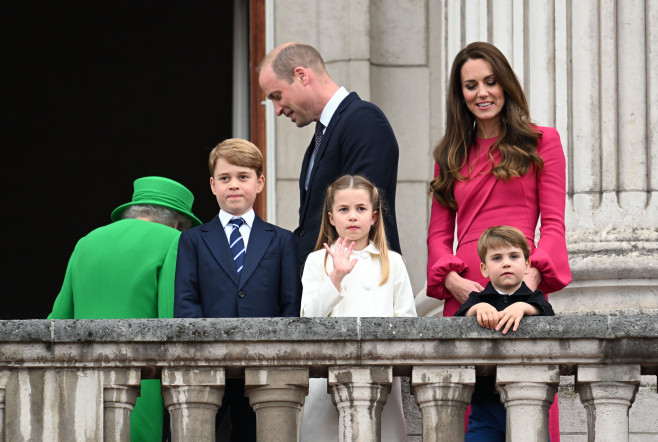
point(377, 234)
point(238, 152)
point(498, 236)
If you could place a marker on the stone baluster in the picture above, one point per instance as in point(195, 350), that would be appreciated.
point(442, 394)
point(277, 396)
point(4, 378)
point(193, 396)
point(359, 394)
point(607, 392)
point(120, 391)
point(4, 374)
point(527, 392)
point(119, 401)
point(2, 414)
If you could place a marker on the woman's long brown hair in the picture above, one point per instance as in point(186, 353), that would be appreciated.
point(517, 142)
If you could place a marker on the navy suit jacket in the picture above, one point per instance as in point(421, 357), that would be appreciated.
point(209, 286)
point(357, 141)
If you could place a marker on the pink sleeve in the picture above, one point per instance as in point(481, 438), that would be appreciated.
point(550, 257)
point(441, 259)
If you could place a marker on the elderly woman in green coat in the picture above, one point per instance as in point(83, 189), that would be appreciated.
point(126, 270)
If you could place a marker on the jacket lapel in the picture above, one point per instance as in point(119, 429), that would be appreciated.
point(260, 238)
point(215, 238)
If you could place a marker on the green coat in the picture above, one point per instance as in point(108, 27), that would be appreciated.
point(124, 270)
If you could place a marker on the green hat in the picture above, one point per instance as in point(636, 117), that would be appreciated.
point(162, 192)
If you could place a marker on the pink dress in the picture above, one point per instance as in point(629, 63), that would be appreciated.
point(482, 202)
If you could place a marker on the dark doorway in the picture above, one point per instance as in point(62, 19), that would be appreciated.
point(95, 95)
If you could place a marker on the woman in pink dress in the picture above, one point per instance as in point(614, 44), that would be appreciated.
point(494, 167)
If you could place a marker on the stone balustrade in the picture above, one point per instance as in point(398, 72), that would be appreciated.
point(68, 380)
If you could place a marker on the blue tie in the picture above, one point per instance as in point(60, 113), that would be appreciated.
point(237, 244)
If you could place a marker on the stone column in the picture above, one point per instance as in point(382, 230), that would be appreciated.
point(193, 396)
point(4, 375)
point(399, 73)
point(527, 392)
point(118, 401)
point(442, 394)
point(277, 396)
point(4, 379)
point(359, 394)
point(607, 392)
point(612, 179)
point(120, 391)
point(2, 414)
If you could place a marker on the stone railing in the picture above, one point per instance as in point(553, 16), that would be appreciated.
point(70, 380)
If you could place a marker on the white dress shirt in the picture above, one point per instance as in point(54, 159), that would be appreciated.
point(245, 228)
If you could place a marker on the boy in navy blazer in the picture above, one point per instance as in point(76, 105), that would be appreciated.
point(237, 265)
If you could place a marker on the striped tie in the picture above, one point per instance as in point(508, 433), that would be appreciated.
point(317, 140)
point(317, 137)
point(237, 244)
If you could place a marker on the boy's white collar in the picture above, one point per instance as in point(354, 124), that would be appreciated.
point(225, 217)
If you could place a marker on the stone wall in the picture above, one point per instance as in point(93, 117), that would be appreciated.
point(589, 68)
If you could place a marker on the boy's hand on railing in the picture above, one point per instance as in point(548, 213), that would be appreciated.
point(512, 315)
point(486, 314)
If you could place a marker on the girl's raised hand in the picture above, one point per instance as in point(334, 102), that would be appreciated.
point(343, 265)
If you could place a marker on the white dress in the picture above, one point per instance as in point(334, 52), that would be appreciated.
point(361, 296)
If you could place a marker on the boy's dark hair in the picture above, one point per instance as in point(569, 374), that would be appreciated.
point(238, 152)
point(498, 236)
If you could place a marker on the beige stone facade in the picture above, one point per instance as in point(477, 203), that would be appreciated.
point(589, 68)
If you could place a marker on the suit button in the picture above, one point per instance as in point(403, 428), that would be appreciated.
point(301, 233)
point(506, 299)
point(241, 294)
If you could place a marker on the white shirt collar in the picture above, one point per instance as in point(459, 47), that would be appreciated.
point(225, 217)
point(332, 105)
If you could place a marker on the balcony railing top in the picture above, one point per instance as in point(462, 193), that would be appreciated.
point(318, 343)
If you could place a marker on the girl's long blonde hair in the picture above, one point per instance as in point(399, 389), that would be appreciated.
point(328, 233)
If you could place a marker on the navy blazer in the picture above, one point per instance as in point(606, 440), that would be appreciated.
point(357, 140)
point(209, 286)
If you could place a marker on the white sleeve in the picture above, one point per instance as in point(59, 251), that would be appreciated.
point(403, 296)
point(319, 295)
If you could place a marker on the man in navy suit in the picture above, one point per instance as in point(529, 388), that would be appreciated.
point(237, 265)
point(354, 136)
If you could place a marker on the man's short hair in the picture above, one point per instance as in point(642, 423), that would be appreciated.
point(238, 152)
point(498, 236)
point(295, 55)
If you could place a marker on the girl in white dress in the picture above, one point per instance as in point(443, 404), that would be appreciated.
point(353, 273)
